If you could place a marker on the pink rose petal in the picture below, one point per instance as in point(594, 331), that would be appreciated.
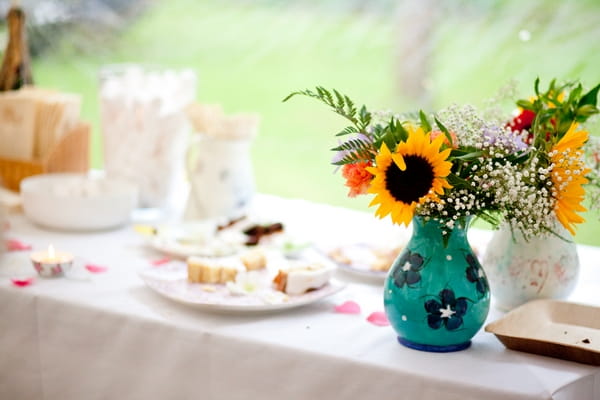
point(16, 245)
point(96, 269)
point(378, 318)
point(161, 261)
point(22, 282)
point(348, 307)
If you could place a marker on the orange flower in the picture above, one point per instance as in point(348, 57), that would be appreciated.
point(435, 133)
point(357, 177)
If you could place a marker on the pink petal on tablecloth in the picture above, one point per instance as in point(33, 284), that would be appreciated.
point(22, 282)
point(16, 245)
point(378, 318)
point(96, 269)
point(348, 307)
point(159, 262)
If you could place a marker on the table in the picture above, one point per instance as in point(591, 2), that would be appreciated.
point(107, 336)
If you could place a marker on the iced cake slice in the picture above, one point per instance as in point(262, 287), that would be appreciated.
point(302, 278)
point(207, 270)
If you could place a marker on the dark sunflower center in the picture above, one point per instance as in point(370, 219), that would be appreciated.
point(412, 183)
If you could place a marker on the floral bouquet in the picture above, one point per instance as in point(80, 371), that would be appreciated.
point(443, 167)
point(553, 179)
point(458, 163)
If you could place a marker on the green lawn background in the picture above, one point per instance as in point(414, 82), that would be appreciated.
point(249, 55)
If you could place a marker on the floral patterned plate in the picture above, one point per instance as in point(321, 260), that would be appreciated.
point(171, 281)
point(197, 239)
point(205, 239)
point(364, 260)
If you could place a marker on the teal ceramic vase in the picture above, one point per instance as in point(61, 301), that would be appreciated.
point(436, 294)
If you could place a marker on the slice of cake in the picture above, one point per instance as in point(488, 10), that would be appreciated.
point(300, 279)
point(254, 259)
point(206, 270)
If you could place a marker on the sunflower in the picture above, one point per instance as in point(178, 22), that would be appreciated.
point(568, 176)
point(413, 174)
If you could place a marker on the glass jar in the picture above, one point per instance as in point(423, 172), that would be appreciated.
point(145, 129)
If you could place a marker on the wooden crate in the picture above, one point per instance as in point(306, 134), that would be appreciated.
point(70, 154)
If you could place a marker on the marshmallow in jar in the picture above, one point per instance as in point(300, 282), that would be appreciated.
point(144, 128)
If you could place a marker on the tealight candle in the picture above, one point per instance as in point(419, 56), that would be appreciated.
point(51, 263)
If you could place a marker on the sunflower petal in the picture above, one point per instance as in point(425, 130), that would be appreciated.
point(399, 161)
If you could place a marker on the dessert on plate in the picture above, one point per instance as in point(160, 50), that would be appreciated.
point(254, 271)
point(212, 270)
point(303, 277)
point(208, 239)
point(365, 257)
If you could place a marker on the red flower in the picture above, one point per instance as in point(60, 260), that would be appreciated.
point(357, 177)
point(522, 121)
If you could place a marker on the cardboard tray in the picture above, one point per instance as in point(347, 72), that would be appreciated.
point(552, 328)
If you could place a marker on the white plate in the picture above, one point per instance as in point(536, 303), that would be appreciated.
point(357, 259)
point(197, 239)
point(171, 281)
point(365, 273)
point(203, 239)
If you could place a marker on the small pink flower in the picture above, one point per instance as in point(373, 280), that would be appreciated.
point(96, 269)
point(16, 245)
point(21, 282)
point(378, 318)
point(161, 261)
point(348, 307)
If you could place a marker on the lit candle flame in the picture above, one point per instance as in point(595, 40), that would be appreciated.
point(51, 253)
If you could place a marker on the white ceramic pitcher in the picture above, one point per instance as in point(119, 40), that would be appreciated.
point(221, 177)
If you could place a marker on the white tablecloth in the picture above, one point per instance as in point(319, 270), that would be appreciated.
point(107, 336)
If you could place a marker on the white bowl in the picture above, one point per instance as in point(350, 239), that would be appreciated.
point(77, 202)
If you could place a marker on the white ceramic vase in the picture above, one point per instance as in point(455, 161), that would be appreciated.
point(520, 270)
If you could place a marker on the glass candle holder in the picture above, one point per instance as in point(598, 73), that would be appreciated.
point(51, 263)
